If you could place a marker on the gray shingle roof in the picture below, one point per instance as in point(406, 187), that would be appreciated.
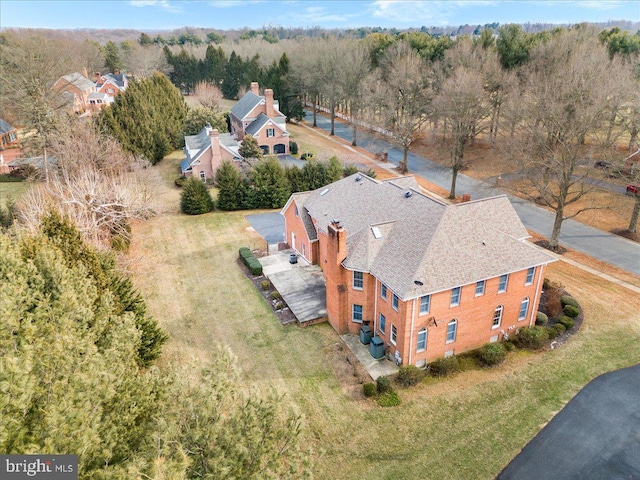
point(80, 81)
point(5, 127)
point(442, 246)
point(196, 145)
point(248, 102)
point(257, 124)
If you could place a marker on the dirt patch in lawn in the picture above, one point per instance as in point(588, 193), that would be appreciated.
point(350, 372)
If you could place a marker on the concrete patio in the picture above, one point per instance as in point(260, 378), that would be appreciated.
point(301, 285)
point(376, 368)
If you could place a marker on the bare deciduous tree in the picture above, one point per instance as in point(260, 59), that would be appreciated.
point(568, 87)
point(209, 95)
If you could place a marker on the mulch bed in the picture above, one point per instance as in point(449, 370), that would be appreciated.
point(545, 244)
point(284, 314)
point(545, 308)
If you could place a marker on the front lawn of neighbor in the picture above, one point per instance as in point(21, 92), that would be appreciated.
point(465, 427)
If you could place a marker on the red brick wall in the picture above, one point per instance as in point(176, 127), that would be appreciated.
point(295, 225)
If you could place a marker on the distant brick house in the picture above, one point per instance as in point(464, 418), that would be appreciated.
point(205, 152)
point(8, 134)
point(111, 83)
point(77, 88)
point(430, 279)
point(258, 115)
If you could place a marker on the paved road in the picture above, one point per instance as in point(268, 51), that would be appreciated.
point(595, 436)
point(596, 243)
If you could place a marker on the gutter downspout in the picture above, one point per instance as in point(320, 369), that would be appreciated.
point(413, 316)
point(537, 298)
point(375, 308)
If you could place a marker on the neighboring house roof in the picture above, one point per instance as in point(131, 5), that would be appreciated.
point(78, 80)
point(260, 122)
point(401, 236)
point(196, 145)
point(98, 96)
point(118, 80)
point(5, 127)
point(36, 162)
point(246, 104)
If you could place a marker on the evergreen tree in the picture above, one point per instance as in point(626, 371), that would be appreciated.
point(214, 65)
point(249, 148)
point(296, 179)
point(334, 169)
point(195, 198)
point(233, 78)
point(112, 58)
point(230, 188)
point(315, 174)
point(147, 118)
point(270, 184)
point(199, 116)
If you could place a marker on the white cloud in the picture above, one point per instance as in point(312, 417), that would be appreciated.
point(164, 4)
point(233, 3)
point(317, 15)
point(582, 4)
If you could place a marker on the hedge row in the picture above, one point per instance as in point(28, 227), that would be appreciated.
point(255, 267)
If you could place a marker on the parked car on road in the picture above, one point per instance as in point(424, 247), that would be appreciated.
point(633, 189)
point(603, 165)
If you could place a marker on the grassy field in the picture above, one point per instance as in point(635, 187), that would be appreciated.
point(13, 190)
point(469, 426)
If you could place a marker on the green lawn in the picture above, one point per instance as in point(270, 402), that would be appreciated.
point(466, 427)
point(13, 190)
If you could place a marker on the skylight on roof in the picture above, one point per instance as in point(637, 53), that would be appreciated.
point(324, 192)
point(376, 232)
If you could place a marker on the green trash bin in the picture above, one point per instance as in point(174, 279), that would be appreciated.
point(365, 335)
point(376, 348)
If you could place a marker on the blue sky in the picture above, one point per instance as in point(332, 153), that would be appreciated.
point(232, 14)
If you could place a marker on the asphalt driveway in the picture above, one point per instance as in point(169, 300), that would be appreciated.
point(596, 436)
point(270, 226)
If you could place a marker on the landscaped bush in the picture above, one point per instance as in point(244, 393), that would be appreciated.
point(409, 375)
point(571, 311)
point(383, 384)
point(569, 300)
point(195, 198)
point(445, 366)
point(370, 389)
point(388, 399)
point(275, 295)
point(552, 332)
point(509, 346)
point(560, 328)
point(244, 252)
point(279, 305)
point(492, 354)
point(568, 322)
point(265, 284)
point(541, 318)
point(533, 338)
point(293, 148)
point(255, 267)
point(306, 156)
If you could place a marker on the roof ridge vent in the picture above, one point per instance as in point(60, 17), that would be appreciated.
point(408, 193)
point(358, 177)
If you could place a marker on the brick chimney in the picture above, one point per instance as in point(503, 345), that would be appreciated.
point(336, 278)
point(337, 250)
point(268, 97)
point(216, 154)
point(255, 88)
point(97, 76)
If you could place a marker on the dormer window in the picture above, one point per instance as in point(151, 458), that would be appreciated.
point(271, 132)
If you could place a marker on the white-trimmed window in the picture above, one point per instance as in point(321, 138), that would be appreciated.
point(271, 132)
point(296, 210)
point(394, 302)
point(358, 280)
point(394, 334)
point(383, 323)
point(502, 287)
point(452, 329)
point(425, 304)
point(203, 177)
point(524, 309)
point(421, 346)
point(383, 291)
point(455, 296)
point(497, 316)
point(480, 287)
point(356, 315)
point(530, 274)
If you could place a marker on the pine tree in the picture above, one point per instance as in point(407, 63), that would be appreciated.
point(195, 198)
point(230, 188)
point(147, 118)
point(271, 188)
point(334, 169)
point(249, 148)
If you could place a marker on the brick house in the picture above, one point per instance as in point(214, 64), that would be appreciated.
point(258, 115)
point(77, 88)
point(111, 83)
point(205, 152)
point(8, 133)
point(430, 279)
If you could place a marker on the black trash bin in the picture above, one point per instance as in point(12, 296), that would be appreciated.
point(293, 258)
point(365, 335)
point(376, 348)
